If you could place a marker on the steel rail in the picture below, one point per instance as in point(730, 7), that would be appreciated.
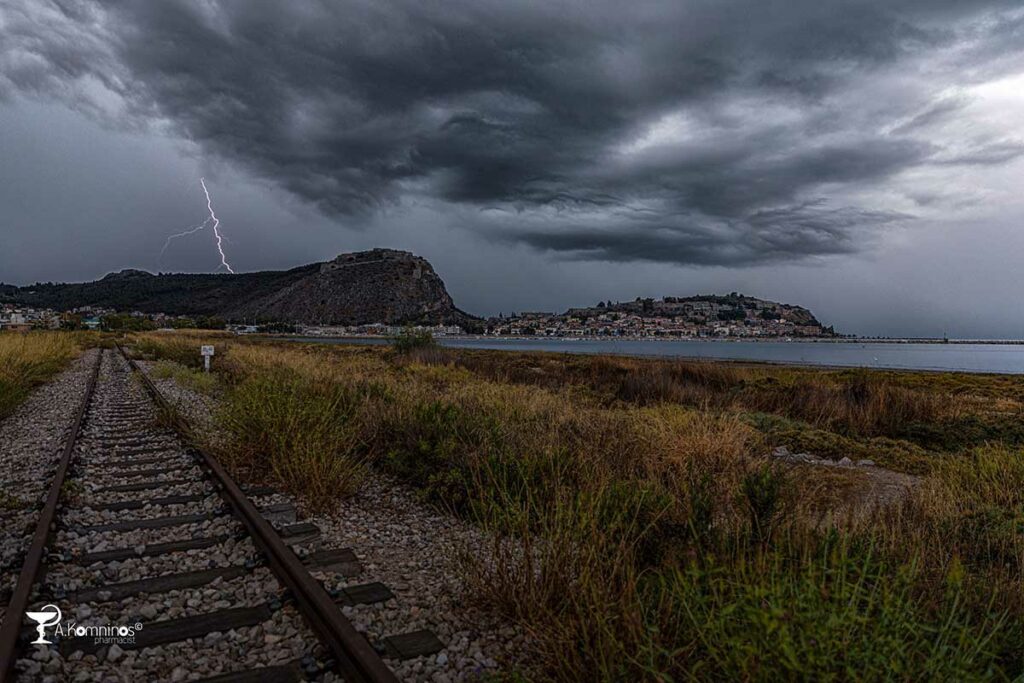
point(355, 657)
point(10, 631)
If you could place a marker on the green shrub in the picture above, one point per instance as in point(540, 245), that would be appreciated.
point(966, 432)
point(799, 437)
point(411, 339)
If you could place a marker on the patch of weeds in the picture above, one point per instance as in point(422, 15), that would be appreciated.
point(197, 380)
point(842, 612)
point(193, 379)
point(283, 428)
point(28, 360)
point(9, 501)
point(800, 437)
point(426, 444)
point(164, 369)
point(702, 506)
point(762, 492)
point(989, 535)
point(634, 509)
point(510, 492)
point(966, 432)
point(71, 489)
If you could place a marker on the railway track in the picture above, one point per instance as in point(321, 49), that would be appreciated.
point(163, 567)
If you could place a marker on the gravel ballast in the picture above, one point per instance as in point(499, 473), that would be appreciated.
point(148, 593)
point(31, 441)
point(413, 549)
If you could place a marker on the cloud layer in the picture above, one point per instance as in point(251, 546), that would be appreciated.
point(710, 132)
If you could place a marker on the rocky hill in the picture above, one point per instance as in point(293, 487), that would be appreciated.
point(381, 285)
point(706, 307)
point(693, 316)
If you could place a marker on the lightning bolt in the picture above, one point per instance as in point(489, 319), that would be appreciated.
point(216, 231)
point(216, 225)
point(182, 234)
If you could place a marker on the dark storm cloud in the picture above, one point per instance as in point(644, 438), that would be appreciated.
point(936, 112)
point(766, 236)
point(988, 154)
point(539, 109)
point(767, 173)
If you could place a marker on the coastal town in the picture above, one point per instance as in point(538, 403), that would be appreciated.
point(694, 317)
point(729, 316)
point(699, 317)
point(22, 319)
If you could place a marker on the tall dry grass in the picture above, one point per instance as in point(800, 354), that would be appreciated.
point(290, 424)
point(181, 346)
point(639, 534)
point(279, 428)
point(857, 403)
point(966, 520)
point(28, 360)
point(861, 405)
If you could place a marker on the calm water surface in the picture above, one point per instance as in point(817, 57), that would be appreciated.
point(1001, 358)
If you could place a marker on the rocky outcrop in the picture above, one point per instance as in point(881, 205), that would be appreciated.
point(380, 285)
point(376, 286)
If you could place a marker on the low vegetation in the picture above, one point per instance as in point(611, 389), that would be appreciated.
point(181, 347)
point(28, 360)
point(412, 339)
point(641, 531)
point(292, 429)
point(190, 378)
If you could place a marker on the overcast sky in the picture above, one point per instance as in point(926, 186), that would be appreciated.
point(863, 159)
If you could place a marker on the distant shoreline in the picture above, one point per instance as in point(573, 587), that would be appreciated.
point(993, 357)
point(762, 340)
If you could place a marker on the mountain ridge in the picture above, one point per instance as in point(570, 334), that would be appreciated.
point(379, 285)
point(397, 287)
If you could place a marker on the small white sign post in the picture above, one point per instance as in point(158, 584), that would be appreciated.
point(207, 352)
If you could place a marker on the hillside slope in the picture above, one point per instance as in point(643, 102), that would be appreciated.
point(381, 285)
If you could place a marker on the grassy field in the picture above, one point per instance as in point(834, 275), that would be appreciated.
point(28, 360)
point(641, 529)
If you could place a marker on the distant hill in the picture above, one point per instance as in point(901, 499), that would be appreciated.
point(703, 315)
point(707, 307)
point(381, 285)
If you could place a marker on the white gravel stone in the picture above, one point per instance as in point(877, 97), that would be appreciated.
point(120, 408)
point(31, 442)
